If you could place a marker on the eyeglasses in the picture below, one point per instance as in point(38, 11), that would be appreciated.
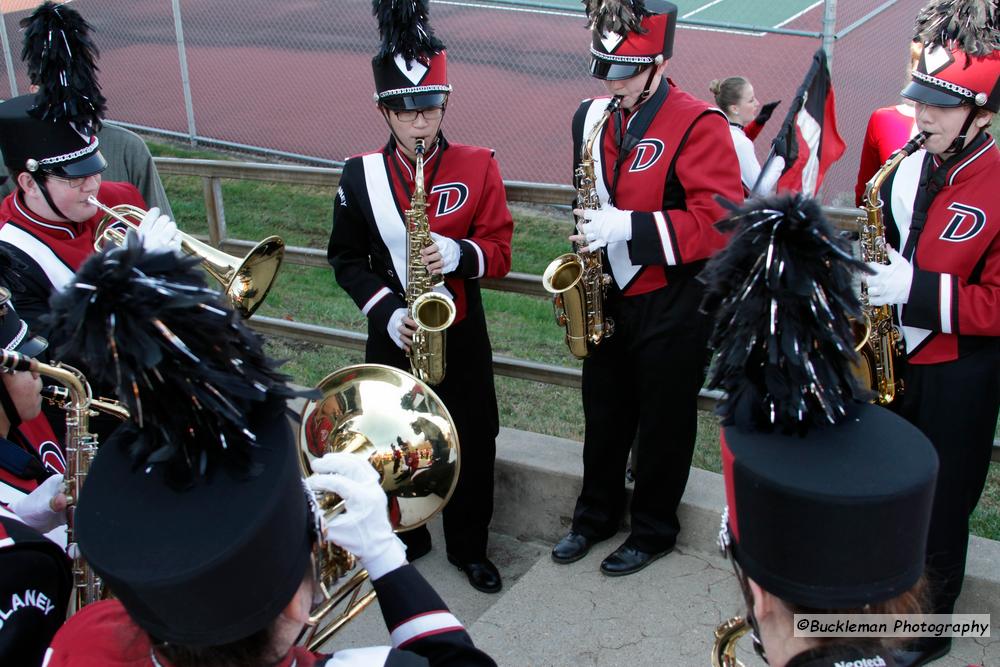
point(75, 183)
point(433, 113)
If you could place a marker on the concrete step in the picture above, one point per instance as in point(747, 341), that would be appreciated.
point(549, 614)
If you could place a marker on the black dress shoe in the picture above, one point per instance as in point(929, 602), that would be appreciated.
point(417, 542)
point(626, 559)
point(922, 652)
point(483, 574)
point(571, 548)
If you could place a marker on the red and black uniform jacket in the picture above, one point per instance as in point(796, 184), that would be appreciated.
point(52, 250)
point(666, 162)
point(422, 630)
point(466, 201)
point(35, 585)
point(954, 303)
point(28, 456)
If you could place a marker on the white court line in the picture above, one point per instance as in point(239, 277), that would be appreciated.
point(804, 11)
point(701, 9)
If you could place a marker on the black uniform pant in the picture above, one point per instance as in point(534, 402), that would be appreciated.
point(642, 384)
point(468, 392)
point(956, 405)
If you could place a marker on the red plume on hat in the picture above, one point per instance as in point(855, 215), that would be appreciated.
point(961, 60)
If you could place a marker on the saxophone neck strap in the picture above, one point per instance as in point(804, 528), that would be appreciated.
point(440, 144)
point(627, 136)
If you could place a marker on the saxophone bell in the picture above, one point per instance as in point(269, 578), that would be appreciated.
point(727, 634)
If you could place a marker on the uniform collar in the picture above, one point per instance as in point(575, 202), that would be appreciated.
point(970, 160)
point(59, 229)
point(406, 166)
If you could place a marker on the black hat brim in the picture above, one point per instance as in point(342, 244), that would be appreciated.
point(87, 166)
point(931, 95)
point(415, 102)
point(609, 71)
point(32, 347)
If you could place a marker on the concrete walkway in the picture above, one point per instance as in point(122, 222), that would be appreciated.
point(571, 615)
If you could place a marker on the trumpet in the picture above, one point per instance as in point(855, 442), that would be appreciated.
point(246, 281)
point(399, 425)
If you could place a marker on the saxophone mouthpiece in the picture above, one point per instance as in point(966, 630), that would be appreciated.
point(420, 147)
point(613, 105)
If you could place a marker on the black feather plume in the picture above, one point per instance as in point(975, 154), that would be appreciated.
point(782, 295)
point(185, 365)
point(617, 16)
point(972, 25)
point(405, 29)
point(11, 270)
point(62, 62)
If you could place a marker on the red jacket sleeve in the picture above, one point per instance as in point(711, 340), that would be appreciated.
point(706, 167)
point(869, 161)
point(486, 251)
point(947, 303)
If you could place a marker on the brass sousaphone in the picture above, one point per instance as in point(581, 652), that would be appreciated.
point(246, 281)
point(399, 425)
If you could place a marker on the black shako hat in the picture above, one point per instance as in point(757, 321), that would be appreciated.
point(53, 131)
point(828, 498)
point(629, 35)
point(58, 147)
point(411, 66)
point(194, 511)
point(14, 333)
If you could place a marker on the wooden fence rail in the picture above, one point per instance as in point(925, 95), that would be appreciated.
point(212, 172)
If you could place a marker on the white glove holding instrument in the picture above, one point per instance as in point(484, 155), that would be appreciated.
point(450, 252)
point(363, 528)
point(393, 328)
point(891, 283)
point(44, 508)
point(603, 226)
point(159, 231)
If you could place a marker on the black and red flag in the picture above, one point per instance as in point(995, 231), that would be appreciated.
point(808, 141)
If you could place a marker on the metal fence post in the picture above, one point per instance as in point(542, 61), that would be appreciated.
point(829, 30)
point(185, 79)
point(7, 58)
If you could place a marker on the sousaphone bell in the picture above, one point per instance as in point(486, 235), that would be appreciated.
point(400, 426)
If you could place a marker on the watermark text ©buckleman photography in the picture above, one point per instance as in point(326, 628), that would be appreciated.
point(892, 625)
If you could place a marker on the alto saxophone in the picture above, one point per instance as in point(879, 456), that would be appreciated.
point(81, 446)
point(577, 279)
point(432, 311)
point(880, 342)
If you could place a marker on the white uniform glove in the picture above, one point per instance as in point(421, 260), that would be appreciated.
point(363, 528)
point(159, 231)
point(891, 282)
point(35, 509)
point(395, 321)
point(605, 225)
point(450, 251)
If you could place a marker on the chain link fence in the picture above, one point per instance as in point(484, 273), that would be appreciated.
point(293, 78)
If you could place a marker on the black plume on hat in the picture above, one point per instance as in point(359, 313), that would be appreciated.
point(405, 30)
point(61, 60)
point(781, 293)
point(972, 25)
point(185, 365)
point(617, 16)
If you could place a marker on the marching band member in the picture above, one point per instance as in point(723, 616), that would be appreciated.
point(127, 155)
point(194, 513)
point(35, 578)
point(471, 228)
point(942, 221)
point(51, 150)
point(661, 160)
point(828, 497)
point(735, 96)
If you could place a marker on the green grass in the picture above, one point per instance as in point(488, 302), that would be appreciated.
point(520, 326)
